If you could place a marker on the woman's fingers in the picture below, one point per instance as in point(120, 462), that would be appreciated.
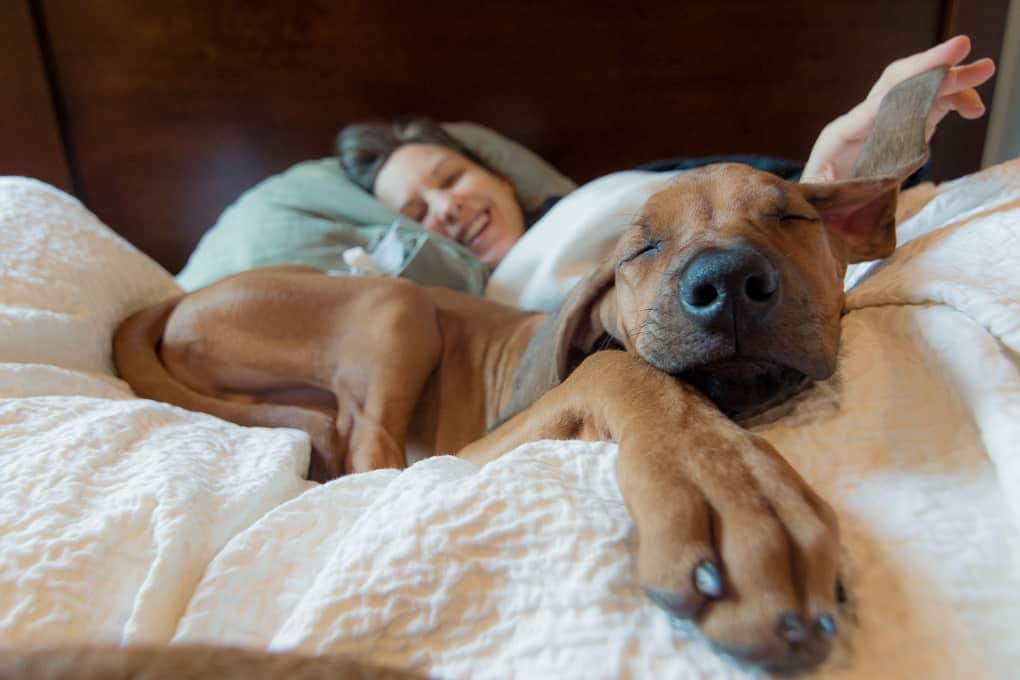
point(948, 53)
point(840, 142)
point(967, 104)
point(967, 77)
point(956, 93)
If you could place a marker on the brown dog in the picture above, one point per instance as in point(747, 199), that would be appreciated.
point(180, 662)
point(728, 285)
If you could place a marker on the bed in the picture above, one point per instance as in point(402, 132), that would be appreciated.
point(132, 521)
point(128, 521)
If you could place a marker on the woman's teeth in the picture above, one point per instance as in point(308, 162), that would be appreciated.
point(476, 226)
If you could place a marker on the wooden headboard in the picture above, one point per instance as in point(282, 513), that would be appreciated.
point(159, 114)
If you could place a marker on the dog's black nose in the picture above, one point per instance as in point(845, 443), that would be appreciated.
point(732, 289)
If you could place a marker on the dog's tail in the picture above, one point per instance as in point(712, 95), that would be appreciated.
point(136, 355)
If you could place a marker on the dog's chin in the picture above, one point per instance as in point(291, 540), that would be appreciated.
point(742, 388)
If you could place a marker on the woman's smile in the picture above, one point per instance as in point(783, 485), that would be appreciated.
point(475, 227)
point(452, 196)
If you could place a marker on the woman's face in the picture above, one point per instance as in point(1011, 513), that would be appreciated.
point(452, 196)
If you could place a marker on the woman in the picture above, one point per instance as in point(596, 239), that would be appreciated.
point(419, 170)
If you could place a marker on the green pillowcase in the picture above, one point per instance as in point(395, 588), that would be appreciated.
point(311, 213)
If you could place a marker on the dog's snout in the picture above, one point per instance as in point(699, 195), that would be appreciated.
point(734, 288)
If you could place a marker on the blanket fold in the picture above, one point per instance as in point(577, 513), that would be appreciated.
point(128, 520)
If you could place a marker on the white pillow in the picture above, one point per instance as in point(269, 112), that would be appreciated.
point(66, 279)
point(110, 507)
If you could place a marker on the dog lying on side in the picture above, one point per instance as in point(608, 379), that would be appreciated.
point(722, 297)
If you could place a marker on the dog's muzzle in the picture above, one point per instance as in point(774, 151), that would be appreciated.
point(730, 293)
point(730, 290)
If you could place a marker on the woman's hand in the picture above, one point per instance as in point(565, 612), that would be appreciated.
point(836, 148)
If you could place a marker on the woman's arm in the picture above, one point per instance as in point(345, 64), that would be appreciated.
point(837, 146)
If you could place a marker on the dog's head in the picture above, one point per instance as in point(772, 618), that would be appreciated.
point(731, 279)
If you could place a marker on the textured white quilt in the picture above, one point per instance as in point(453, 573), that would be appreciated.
point(123, 519)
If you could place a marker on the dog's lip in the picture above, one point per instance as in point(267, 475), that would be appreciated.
point(744, 386)
point(738, 362)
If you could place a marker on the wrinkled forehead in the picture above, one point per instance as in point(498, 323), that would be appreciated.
point(720, 194)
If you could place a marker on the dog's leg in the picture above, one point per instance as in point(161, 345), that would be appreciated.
point(728, 533)
point(379, 378)
point(373, 430)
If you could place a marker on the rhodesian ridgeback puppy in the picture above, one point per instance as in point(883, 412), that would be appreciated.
point(722, 297)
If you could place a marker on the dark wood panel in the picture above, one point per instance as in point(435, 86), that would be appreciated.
point(29, 138)
point(958, 147)
point(175, 108)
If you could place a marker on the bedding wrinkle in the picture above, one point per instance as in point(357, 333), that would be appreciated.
point(126, 520)
point(148, 527)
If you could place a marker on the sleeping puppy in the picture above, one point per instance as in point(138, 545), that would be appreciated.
point(723, 297)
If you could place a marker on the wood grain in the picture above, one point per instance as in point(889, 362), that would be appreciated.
point(959, 145)
point(176, 108)
point(30, 141)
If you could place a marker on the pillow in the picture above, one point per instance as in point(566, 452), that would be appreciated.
point(533, 178)
point(111, 507)
point(66, 280)
point(312, 213)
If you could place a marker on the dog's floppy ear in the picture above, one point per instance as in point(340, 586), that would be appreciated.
point(563, 339)
point(860, 212)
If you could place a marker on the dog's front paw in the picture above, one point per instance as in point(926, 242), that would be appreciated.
point(732, 538)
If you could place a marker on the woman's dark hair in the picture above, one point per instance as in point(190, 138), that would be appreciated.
point(364, 147)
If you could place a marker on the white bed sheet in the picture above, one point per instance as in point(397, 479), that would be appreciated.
point(123, 519)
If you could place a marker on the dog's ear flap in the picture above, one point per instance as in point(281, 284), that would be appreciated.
point(861, 212)
point(563, 340)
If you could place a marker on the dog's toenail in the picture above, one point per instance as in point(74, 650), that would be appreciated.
point(841, 595)
point(707, 580)
point(791, 627)
point(827, 624)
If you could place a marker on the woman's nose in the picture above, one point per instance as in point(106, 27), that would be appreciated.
point(445, 214)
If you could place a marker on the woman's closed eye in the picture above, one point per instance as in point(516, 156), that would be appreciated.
point(450, 178)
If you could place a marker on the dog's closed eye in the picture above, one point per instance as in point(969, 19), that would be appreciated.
point(792, 217)
point(648, 247)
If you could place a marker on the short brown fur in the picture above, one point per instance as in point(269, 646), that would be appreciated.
point(380, 370)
